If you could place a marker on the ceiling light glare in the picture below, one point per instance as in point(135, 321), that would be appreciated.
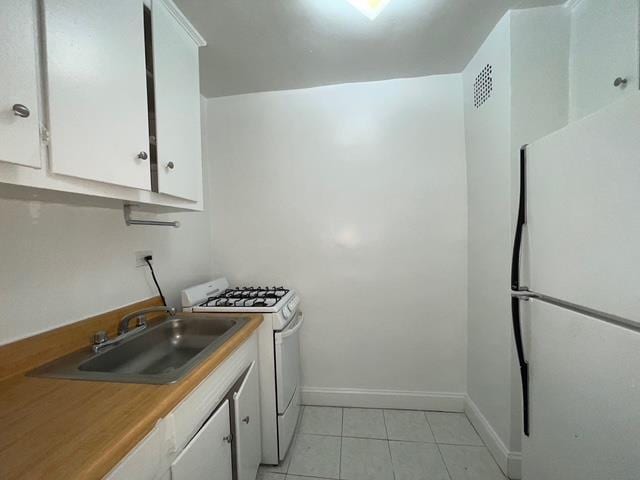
point(370, 8)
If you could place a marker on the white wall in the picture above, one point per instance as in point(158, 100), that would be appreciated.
point(355, 196)
point(488, 133)
point(604, 46)
point(67, 258)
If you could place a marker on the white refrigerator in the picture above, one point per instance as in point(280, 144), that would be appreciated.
point(576, 298)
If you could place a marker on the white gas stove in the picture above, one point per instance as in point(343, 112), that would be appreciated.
point(279, 354)
point(216, 296)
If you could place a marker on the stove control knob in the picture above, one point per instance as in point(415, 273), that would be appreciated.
point(293, 303)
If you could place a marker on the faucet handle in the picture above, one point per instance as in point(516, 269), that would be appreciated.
point(141, 321)
point(100, 337)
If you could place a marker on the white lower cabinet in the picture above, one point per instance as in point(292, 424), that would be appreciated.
point(208, 454)
point(214, 433)
point(248, 447)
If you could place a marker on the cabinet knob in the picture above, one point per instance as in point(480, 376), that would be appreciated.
point(20, 110)
point(143, 155)
point(171, 165)
point(228, 438)
point(620, 82)
point(246, 420)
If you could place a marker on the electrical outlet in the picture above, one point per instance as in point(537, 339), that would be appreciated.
point(140, 261)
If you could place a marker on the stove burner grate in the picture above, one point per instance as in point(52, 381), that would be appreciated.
point(247, 297)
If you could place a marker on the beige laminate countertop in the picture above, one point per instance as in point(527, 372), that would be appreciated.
point(69, 429)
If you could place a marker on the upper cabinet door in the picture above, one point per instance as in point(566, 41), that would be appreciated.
point(19, 113)
point(177, 94)
point(97, 90)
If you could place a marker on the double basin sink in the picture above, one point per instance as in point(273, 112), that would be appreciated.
point(160, 354)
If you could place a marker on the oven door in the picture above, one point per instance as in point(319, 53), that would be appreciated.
point(287, 353)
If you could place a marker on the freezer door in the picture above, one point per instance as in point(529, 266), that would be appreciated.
point(584, 397)
point(583, 204)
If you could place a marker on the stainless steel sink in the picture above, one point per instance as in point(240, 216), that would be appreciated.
point(161, 354)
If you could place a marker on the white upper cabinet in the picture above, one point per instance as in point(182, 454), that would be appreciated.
point(97, 95)
point(19, 112)
point(177, 102)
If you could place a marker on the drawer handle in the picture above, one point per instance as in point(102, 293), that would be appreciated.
point(246, 420)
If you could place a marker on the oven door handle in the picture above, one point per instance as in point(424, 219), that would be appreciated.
point(295, 326)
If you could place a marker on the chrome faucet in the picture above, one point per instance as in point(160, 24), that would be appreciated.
point(101, 339)
point(141, 317)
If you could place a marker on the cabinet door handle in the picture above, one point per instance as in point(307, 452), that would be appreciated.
point(143, 155)
point(20, 110)
point(171, 165)
point(228, 438)
point(620, 82)
point(246, 420)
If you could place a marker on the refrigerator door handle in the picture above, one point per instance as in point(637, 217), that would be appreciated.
point(629, 324)
point(515, 286)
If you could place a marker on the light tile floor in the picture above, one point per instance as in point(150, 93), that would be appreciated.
point(369, 444)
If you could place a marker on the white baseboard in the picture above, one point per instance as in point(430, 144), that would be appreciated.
point(509, 462)
point(395, 399)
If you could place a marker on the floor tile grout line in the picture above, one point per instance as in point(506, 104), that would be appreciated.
point(341, 442)
point(341, 430)
point(477, 445)
point(384, 420)
point(309, 476)
point(420, 442)
point(426, 417)
point(340, 460)
point(446, 467)
point(444, 462)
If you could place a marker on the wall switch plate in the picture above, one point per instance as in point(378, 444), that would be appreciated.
point(140, 262)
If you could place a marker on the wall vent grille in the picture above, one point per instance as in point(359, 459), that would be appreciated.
point(483, 86)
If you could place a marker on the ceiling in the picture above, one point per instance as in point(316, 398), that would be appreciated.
point(263, 45)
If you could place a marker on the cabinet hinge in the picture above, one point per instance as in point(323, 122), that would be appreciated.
point(44, 135)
